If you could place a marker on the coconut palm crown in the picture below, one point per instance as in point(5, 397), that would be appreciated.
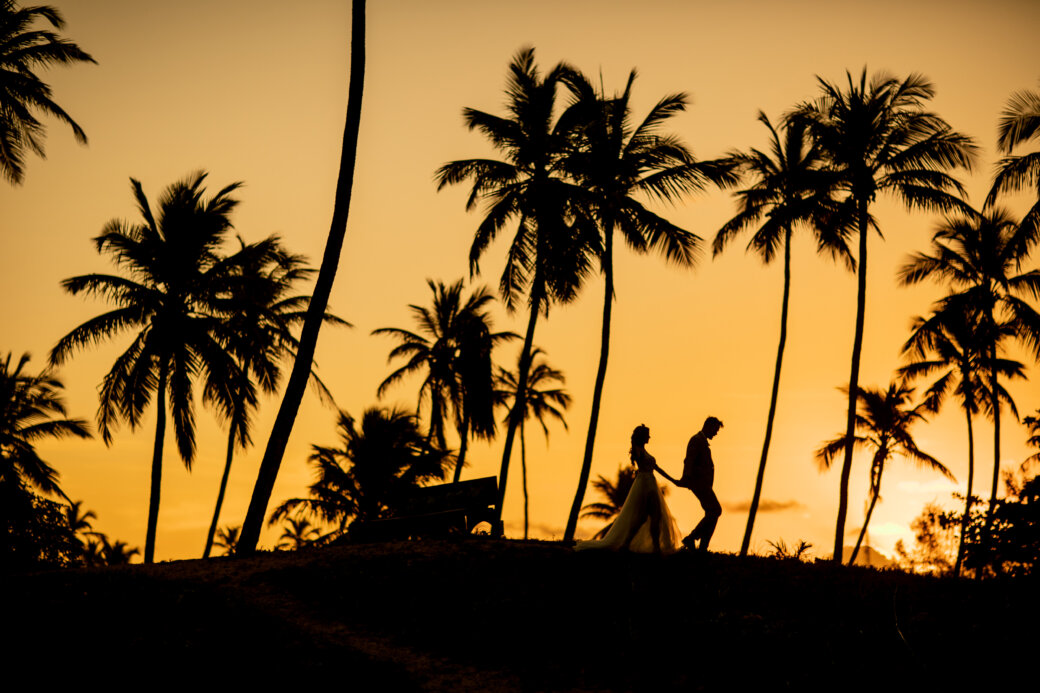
point(169, 298)
point(877, 137)
point(24, 51)
point(789, 188)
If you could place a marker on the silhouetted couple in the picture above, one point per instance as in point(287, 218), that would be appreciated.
point(644, 523)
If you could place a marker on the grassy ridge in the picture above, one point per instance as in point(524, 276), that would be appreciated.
point(504, 615)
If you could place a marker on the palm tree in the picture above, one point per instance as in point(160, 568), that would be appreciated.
point(453, 346)
point(878, 138)
point(384, 457)
point(170, 293)
point(23, 94)
point(116, 552)
point(550, 254)
point(618, 163)
point(1019, 123)
point(883, 422)
point(31, 409)
point(951, 343)
point(79, 522)
point(259, 323)
point(540, 402)
point(789, 188)
point(614, 494)
point(301, 371)
point(226, 539)
point(1033, 424)
point(297, 534)
point(980, 254)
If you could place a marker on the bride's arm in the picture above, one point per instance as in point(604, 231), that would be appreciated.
point(660, 471)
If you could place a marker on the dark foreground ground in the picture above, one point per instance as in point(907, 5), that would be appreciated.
point(485, 615)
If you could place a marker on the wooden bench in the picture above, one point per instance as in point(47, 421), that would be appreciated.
point(436, 511)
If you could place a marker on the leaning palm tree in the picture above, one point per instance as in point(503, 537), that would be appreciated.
point(878, 138)
point(883, 424)
point(555, 239)
point(378, 461)
point(789, 188)
point(1019, 123)
point(32, 409)
point(301, 371)
point(981, 256)
point(23, 95)
point(620, 164)
point(951, 344)
point(259, 323)
point(453, 346)
point(539, 402)
point(169, 294)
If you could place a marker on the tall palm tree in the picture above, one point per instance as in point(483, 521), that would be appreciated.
point(384, 457)
point(883, 423)
point(620, 163)
point(951, 343)
point(550, 254)
point(878, 138)
point(32, 409)
point(23, 95)
point(301, 371)
point(453, 346)
point(789, 188)
point(174, 279)
point(1019, 123)
point(540, 401)
point(980, 255)
point(259, 325)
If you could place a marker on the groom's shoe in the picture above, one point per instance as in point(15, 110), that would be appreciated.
point(689, 543)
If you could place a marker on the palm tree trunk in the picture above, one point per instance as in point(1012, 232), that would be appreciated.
point(157, 451)
point(875, 491)
point(464, 438)
point(773, 396)
point(601, 376)
point(220, 494)
point(965, 520)
point(850, 423)
point(297, 384)
point(523, 467)
point(516, 415)
point(991, 511)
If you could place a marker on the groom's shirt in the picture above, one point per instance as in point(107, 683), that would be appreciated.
point(698, 468)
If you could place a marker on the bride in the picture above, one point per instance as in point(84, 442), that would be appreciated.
point(644, 524)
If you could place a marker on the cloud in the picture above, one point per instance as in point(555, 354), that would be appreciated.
point(765, 506)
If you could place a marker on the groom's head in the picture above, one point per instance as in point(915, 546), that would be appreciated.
point(711, 426)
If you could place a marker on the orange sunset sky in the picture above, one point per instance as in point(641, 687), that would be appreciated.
point(255, 91)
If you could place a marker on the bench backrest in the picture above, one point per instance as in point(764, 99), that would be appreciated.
point(465, 495)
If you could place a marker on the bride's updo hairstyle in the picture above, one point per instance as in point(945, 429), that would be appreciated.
point(640, 436)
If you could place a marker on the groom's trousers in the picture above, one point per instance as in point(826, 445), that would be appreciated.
point(712, 510)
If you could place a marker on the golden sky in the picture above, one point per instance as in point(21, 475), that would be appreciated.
point(255, 91)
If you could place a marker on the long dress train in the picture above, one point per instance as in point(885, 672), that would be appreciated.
point(643, 497)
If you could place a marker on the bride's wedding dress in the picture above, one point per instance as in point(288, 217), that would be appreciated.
point(643, 500)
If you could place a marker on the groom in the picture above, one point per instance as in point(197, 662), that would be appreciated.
point(698, 476)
